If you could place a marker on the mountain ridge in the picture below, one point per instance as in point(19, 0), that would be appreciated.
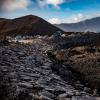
point(27, 25)
point(91, 25)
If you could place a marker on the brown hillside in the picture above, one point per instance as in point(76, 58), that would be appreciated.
point(27, 25)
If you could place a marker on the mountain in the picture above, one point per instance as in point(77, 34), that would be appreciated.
point(27, 25)
point(2, 19)
point(92, 25)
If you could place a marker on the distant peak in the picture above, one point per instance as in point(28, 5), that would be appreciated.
point(30, 16)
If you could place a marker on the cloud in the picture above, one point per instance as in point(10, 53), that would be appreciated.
point(54, 3)
point(77, 18)
point(54, 21)
point(12, 5)
point(73, 19)
point(81, 17)
point(96, 14)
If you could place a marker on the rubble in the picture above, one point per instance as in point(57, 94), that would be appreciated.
point(29, 74)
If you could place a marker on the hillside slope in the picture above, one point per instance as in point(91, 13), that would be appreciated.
point(27, 25)
point(92, 25)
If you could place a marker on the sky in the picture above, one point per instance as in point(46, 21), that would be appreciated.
point(53, 11)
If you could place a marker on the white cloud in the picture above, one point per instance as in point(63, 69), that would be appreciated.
point(81, 17)
point(12, 5)
point(54, 3)
point(73, 19)
point(96, 14)
point(77, 18)
point(54, 21)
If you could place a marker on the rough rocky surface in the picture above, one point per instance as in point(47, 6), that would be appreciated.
point(27, 73)
point(82, 54)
